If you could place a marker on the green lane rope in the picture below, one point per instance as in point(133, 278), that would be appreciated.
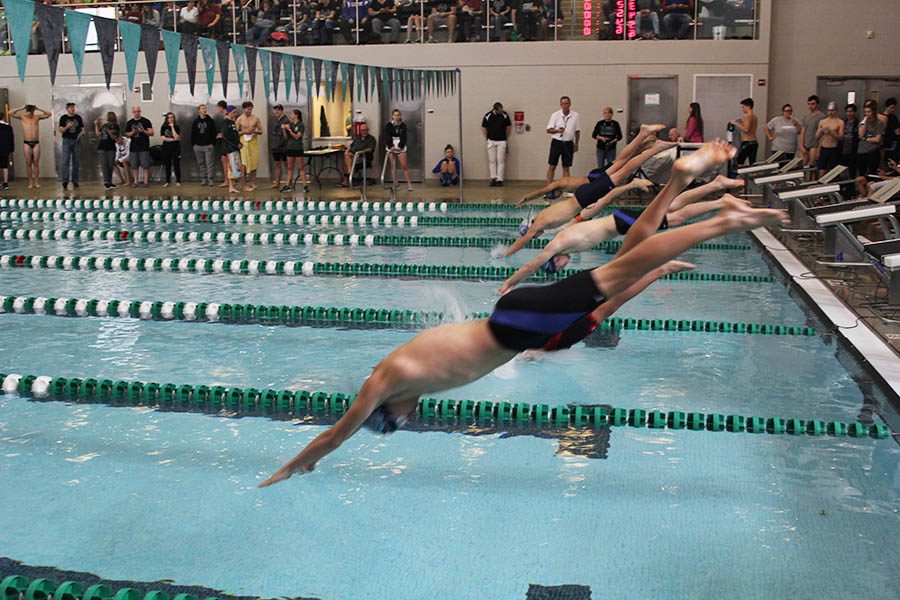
point(200, 312)
point(14, 587)
point(298, 403)
point(275, 205)
point(297, 239)
point(269, 267)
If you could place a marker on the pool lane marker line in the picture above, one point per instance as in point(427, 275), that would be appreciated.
point(330, 316)
point(298, 403)
point(309, 269)
point(297, 239)
point(276, 205)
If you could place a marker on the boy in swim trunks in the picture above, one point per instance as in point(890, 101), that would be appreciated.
point(535, 317)
point(596, 189)
point(584, 236)
point(31, 117)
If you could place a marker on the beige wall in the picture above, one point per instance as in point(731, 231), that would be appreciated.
point(829, 37)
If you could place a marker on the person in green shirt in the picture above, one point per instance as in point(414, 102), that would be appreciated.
point(294, 131)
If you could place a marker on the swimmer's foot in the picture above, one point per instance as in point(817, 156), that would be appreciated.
point(660, 145)
point(737, 215)
point(707, 158)
point(641, 185)
point(726, 183)
point(647, 130)
point(677, 266)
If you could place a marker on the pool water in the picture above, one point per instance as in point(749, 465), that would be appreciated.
point(145, 495)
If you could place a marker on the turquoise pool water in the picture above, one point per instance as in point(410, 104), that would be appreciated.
point(144, 495)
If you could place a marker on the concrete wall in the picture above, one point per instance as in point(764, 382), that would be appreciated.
point(829, 37)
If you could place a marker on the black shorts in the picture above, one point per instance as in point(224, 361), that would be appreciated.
point(294, 153)
point(558, 149)
point(828, 158)
point(598, 187)
point(626, 217)
point(4, 161)
point(279, 155)
point(550, 317)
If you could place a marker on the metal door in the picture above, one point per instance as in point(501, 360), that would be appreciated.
point(184, 105)
point(92, 102)
point(652, 100)
point(844, 90)
point(719, 97)
point(412, 111)
point(290, 102)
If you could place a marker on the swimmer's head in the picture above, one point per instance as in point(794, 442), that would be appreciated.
point(557, 263)
point(674, 135)
point(29, 108)
point(384, 421)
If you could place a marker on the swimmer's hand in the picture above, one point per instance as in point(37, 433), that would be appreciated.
point(522, 200)
point(286, 472)
point(677, 266)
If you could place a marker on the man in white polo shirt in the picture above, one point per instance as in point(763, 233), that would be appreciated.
point(565, 131)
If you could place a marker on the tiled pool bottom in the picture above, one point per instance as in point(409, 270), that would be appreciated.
point(134, 494)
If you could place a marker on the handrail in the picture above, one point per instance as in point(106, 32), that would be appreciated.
point(365, 187)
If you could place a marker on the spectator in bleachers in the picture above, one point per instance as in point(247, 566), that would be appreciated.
point(133, 14)
point(150, 16)
point(471, 18)
point(169, 16)
point(188, 18)
point(355, 16)
point(325, 14)
point(210, 18)
point(500, 12)
point(871, 136)
point(784, 132)
point(648, 12)
point(410, 13)
point(549, 19)
point(677, 15)
point(851, 139)
point(442, 12)
point(693, 129)
point(266, 19)
point(384, 13)
point(525, 18)
point(736, 10)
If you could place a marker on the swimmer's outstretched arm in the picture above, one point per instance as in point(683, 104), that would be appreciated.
point(719, 184)
point(594, 209)
point(529, 268)
point(566, 184)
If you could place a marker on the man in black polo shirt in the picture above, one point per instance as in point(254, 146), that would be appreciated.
point(495, 125)
point(139, 129)
point(71, 128)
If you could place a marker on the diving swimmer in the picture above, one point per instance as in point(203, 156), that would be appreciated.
point(585, 235)
point(549, 317)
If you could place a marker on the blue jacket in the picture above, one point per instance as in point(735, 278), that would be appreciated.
point(355, 10)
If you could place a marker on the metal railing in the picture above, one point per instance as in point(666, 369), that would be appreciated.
point(296, 23)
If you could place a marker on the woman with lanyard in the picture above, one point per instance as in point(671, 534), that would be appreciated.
point(395, 139)
point(294, 131)
point(107, 134)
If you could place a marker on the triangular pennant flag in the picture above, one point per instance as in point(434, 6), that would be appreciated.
point(172, 43)
point(457, 74)
point(348, 80)
point(265, 59)
point(131, 44)
point(77, 24)
point(150, 44)
point(381, 75)
point(365, 80)
point(417, 92)
point(288, 60)
point(107, 33)
point(208, 50)
point(189, 44)
point(427, 82)
point(317, 72)
point(334, 79)
point(222, 50)
point(344, 81)
point(251, 69)
point(50, 19)
point(397, 92)
point(326, 65)
point(19, 16)
point(388, 81)
point(240, 63)
point(298, 75)
point(307, 70)
point(373, 79)
point(275, 60)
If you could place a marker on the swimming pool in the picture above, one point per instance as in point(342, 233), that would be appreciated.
point(135, 494)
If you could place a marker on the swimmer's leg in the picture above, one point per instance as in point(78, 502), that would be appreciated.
point(634, 147)
point(719, 184)
point(626, 170)
point(684, 170)
point(683, 215)
point(625, 269)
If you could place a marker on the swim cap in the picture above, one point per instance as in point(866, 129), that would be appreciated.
point(549, 266)
point(230, 108)
point(524, 225)
point(383, 422)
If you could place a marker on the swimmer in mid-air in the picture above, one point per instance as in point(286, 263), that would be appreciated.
point(549, 317)
point(585, 235)
point(597, 190)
